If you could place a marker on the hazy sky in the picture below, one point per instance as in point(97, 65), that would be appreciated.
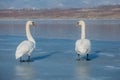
point(55, 3)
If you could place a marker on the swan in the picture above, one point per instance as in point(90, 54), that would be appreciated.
point(83, 45)
point(26, 46)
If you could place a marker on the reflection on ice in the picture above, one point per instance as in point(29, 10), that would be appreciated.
point(112, 67)
point(107, 54)
point(25, 72)
point(82, 70)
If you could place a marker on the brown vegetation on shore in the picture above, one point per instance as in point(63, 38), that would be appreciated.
point(92, 13)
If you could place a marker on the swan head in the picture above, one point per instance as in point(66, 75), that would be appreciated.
point(30, 23)
point(80, 23)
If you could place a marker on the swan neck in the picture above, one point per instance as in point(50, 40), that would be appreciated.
point(83, 31)
point(29, 36)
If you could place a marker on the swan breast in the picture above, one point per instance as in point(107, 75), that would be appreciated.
point(82, 46)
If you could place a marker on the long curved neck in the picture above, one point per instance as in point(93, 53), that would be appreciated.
point(29, 36)
point(83, 31)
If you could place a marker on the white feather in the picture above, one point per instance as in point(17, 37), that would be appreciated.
point(27, 46)
point(24, 48)
point(82, 46)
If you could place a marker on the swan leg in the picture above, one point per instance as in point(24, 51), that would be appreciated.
point(28, 59)
point(78, 59)
point(21, 60)
point(87, 57)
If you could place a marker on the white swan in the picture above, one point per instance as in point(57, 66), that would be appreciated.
point(26, 46)
point(82, 46)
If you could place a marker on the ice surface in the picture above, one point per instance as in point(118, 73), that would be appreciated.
point(55, 59)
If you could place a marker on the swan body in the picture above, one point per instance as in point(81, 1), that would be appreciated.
point(83, 45)
point(26, 46)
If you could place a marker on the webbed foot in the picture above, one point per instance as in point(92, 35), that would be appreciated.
point(22, 60)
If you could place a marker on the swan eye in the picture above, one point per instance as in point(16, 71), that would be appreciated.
point(77, 23)
point(33, 23)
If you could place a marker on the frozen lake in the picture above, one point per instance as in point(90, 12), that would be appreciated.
point(54, 57)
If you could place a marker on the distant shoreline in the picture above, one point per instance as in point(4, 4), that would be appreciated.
point(59, 18)
point(102, 12)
